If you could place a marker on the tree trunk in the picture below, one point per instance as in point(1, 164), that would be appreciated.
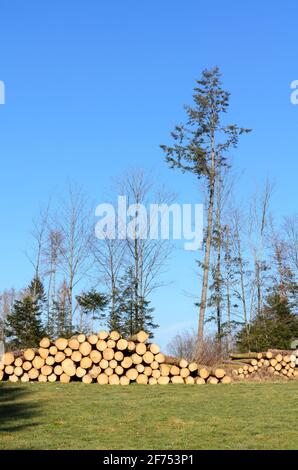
point(207, 252)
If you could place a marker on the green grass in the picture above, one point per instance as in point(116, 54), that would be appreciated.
point(79, 416)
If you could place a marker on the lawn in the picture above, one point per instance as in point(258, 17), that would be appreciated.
point(79, 416)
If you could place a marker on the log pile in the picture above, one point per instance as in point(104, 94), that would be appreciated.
point(273, 362)
point(105, 358)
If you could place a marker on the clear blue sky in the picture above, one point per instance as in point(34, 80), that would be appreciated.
point(93, 88)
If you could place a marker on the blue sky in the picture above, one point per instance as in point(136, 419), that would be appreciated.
point(93, 88)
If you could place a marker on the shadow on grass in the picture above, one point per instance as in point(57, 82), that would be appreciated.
point(16, 412)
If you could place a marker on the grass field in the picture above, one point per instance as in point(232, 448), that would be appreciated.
point(79, 416)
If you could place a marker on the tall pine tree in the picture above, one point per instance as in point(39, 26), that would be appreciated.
point(24, 326)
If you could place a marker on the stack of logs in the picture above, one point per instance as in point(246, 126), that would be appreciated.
point(106, 358)
point(275, 362)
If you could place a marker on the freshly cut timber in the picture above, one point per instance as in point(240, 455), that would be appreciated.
point(61, 344)
point(140, 337)
point(108, 358)
point(44, 343)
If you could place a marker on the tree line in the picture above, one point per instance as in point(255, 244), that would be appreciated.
point(247, 280)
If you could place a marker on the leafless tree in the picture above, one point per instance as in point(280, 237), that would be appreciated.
point(73, 222)
point(259, 218)
point(38, 235)
point(147, 256)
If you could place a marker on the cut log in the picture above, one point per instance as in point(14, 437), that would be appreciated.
point(18, 362)
point(52, 378)
point(103, 335)
point(87, 379)
point(58, 370)
point(59, 357)
point(81, 338)
point(114, 379)
point(25, 378)
point(42, 378)
point(251, 355)
point(85, 348)
point(152, 381)
point(154, 365)
point(38, 362)
point(142, 379)
point(124, 380)
point(68, 367)
point(160, 358)
point(46, 370)
point(156, 373)
point(95, 371)
point(53, 350)
point(131, 346)
point(44, 343)
point(193, 366)
point(127, 362)
point(76, 356)
point(148, 371)
point(177, 379)
point(200, 381)
point(118, 356)
point(101, 345)
point(29, 354)
point(86, 362)
point(140, 337)
point(175, 370)
point(80, 372)
point(132, 374)
point(113, 364)
point(18, 371)
point(13, 378)
point(115, 336)
point(183, 363)
point(163, 380)
point(95, 356)
point(108, 371)
point(140, 368)
point(122, 344)
point(204, 372)
point(73, 344)
point(148, 357)
point(61, 344)
point(212, 380)
point(104, 364)
point(50, 361)
point(8, 358)
point(184, 372)
point(111, 343)
point(108, 354)
point(165, 370)
point(219, 373)
point(189, 380)
point(33, 374)
point(27, 365)
point(43, 352)
point(154, 348)
point(136, 358)
point(92, 339)
point(68, 352)
point(141, 349)
point(103, 379)
point(119, 370)
point(226, 379)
